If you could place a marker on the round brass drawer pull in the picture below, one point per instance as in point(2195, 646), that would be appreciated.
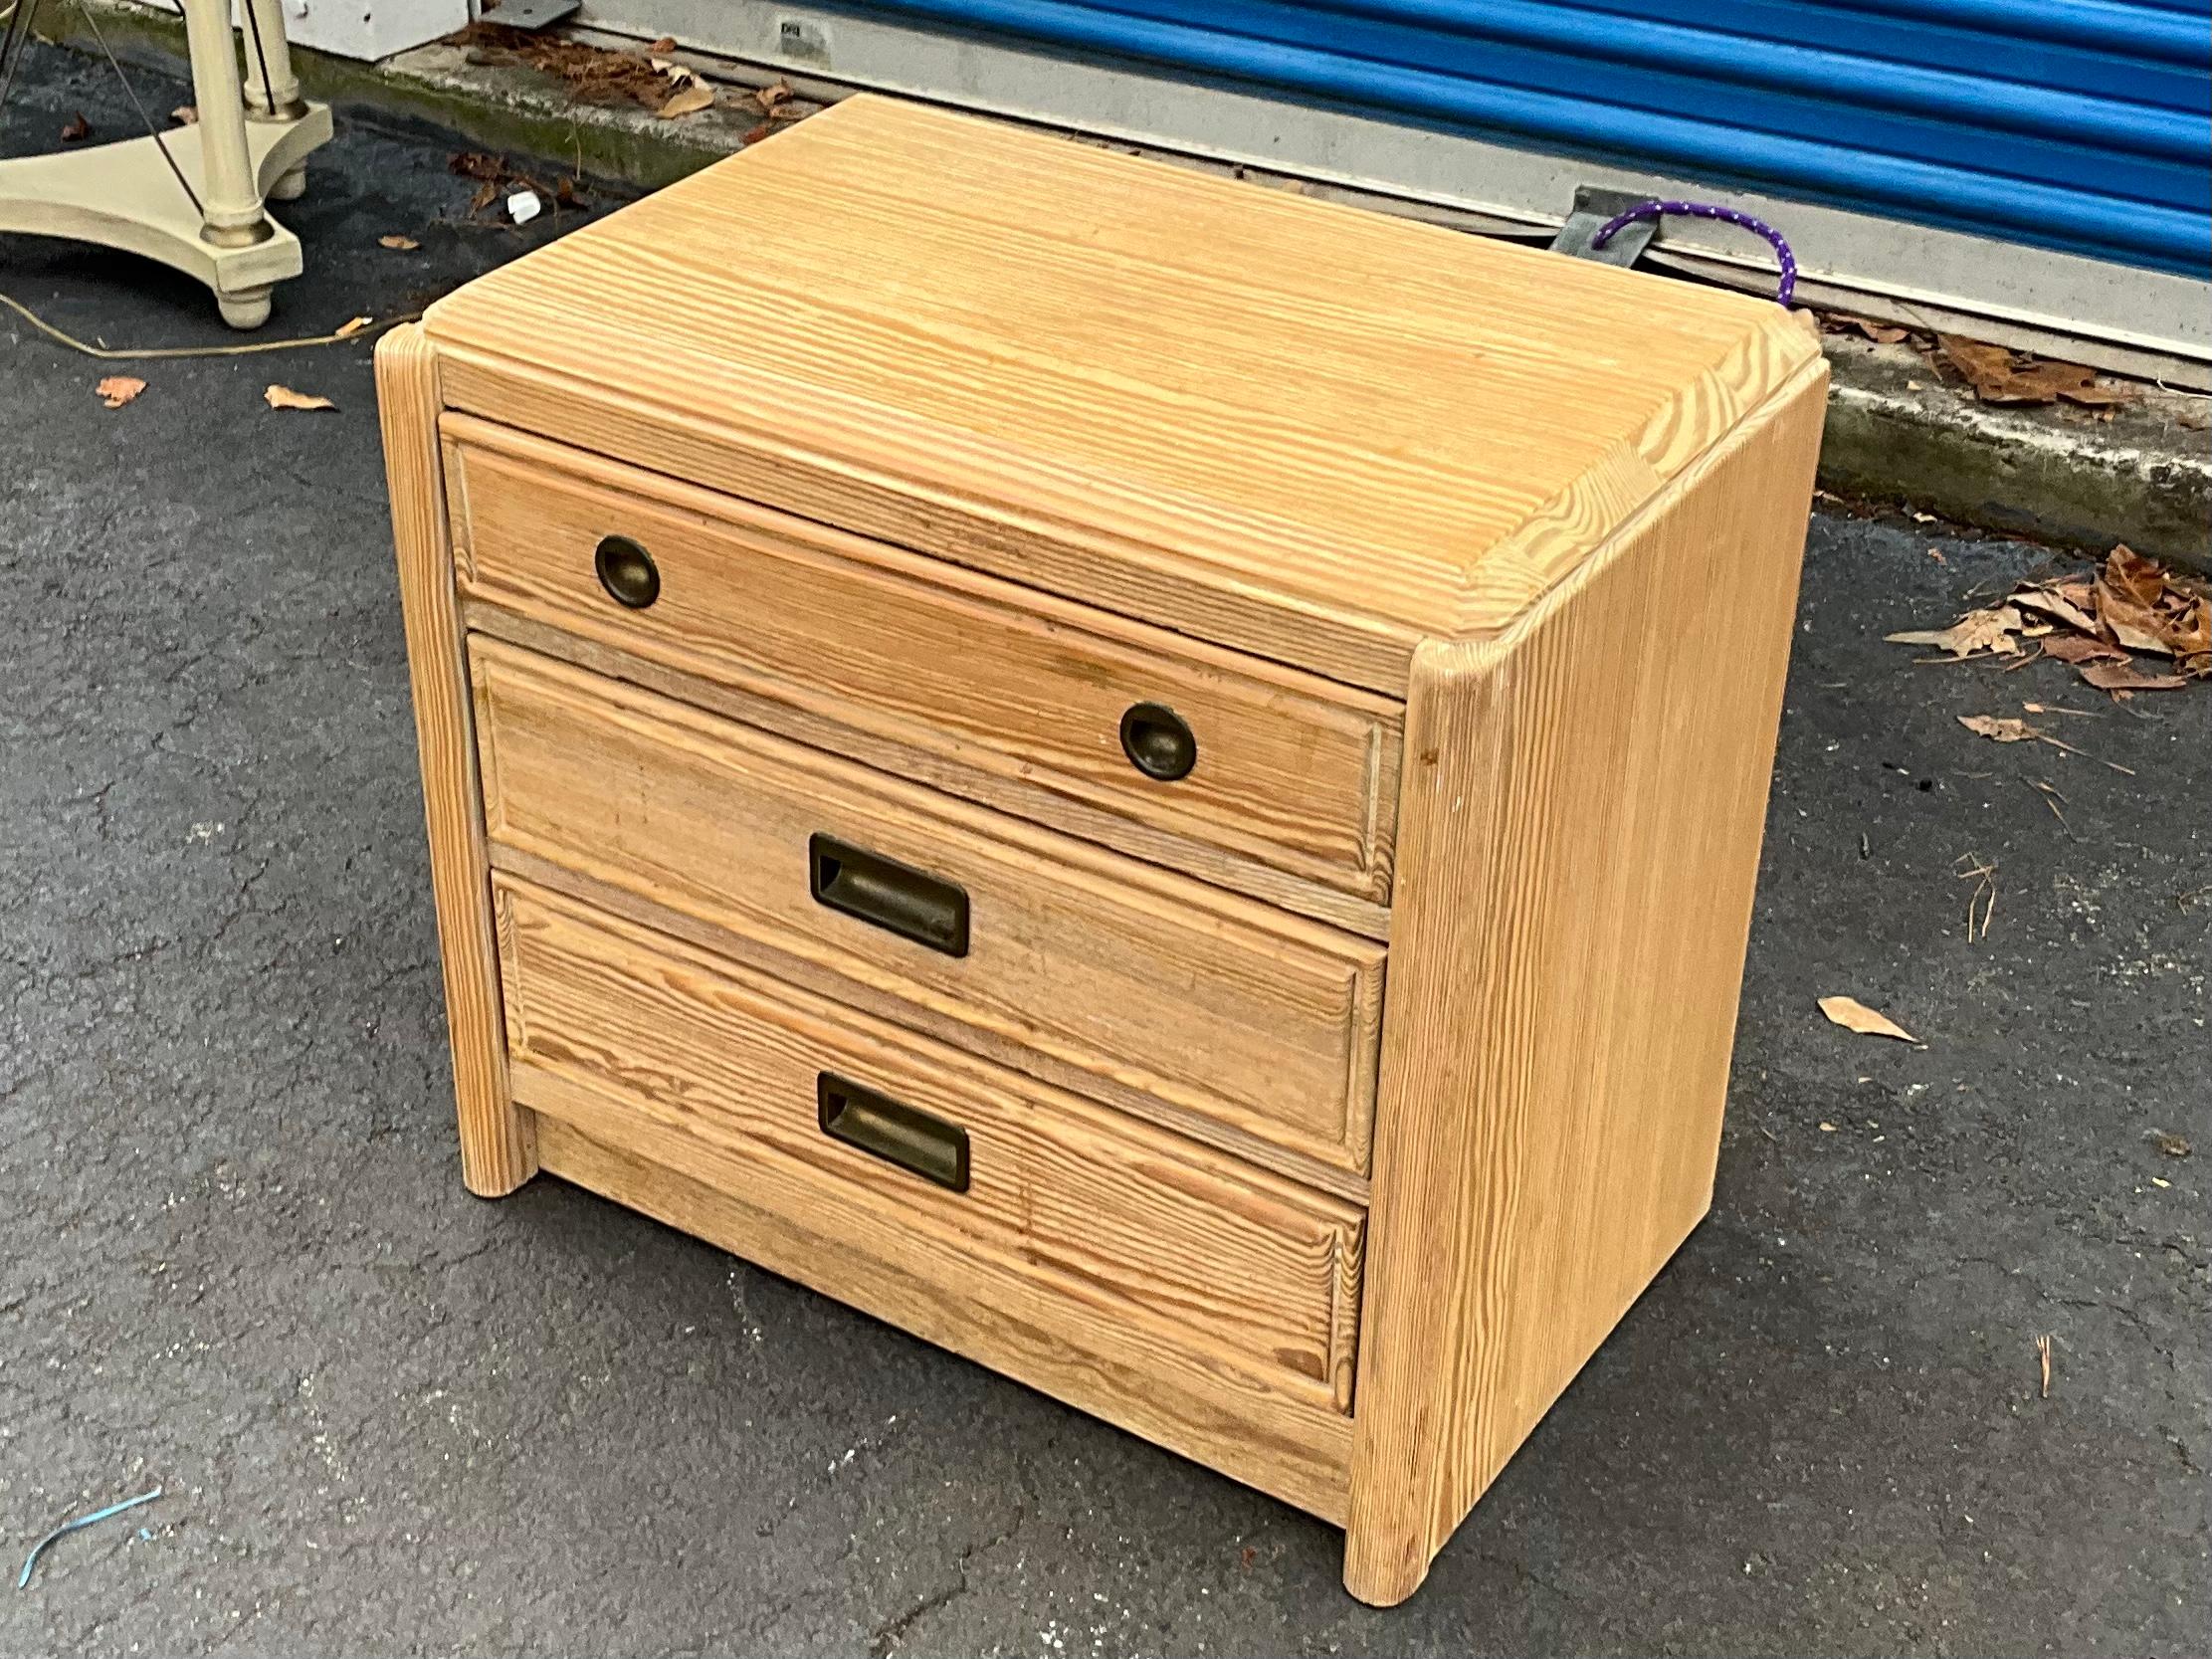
point(627, 572)
point(1158, 741)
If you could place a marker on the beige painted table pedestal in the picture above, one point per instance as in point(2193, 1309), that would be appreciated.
point(192, 197)
point(1155, 782)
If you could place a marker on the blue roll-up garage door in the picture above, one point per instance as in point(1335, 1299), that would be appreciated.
point(2077, 124)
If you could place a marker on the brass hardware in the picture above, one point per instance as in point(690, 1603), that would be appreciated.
point(627, 572)
point(1158, 741)
point(892, 1131)
point(887, 895)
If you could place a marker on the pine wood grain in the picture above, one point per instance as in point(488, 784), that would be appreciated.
point(1138, 1273)
point(1014, 796)
point(495, 1148)
point(1290, 427)
point(1472, 566)
point(1579, 836)
point(1002, 684)
point(1226, 1008)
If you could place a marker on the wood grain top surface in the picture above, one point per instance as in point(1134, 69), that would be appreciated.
point(1308, 430)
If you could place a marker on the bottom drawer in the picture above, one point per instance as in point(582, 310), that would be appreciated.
point(1168, 1287)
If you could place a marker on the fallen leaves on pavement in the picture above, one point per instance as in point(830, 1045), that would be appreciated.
point(2080, 648)
point(1977, 633)
point(1854, 1015)
point(2002, 728)
point(402, 244)
point(283, 397)
point(77, 129)
point(2123, 676)
point(2096, 624)
point(2172, 1145)
point(2145, 607)
point(2010, 728)
point(118, 389)
point(2043, 1352)
point(2063, 602)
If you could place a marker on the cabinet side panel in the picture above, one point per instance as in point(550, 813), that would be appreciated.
point(1578, 844)
point(497, 1151)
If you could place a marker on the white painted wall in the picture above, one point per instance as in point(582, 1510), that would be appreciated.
point(362, 28)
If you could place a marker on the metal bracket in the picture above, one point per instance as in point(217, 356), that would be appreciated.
point(1592, 209)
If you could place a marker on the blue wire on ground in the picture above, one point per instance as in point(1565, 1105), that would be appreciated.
point(66, 1527)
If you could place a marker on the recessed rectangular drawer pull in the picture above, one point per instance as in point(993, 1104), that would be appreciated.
point(895, 1133)
point(888, 894)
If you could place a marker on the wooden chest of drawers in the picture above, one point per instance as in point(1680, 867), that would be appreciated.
point(1150, 779)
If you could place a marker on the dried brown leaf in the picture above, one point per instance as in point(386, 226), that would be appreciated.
point(688, 99)
point(662, 47)
point(2126, 677)
point(2173, 1145)
point(2002, 728)
point(1977, 633)
point(76, 129)
point(2146, 606)
point(2080, 648)
point(1854, 1015)
point(1977, 362)
point(2131, 625)
point(2189, 629)
point(1882, 334)
point(1999, 375)
point(118, 389)
point(2052, 602)
point(404, 244)
point(283, 397)
point(2141, 579)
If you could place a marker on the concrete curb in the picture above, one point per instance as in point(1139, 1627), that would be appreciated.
point(1896, 434)
point(2054, 473)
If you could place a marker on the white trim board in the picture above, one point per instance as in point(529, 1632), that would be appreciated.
point(2122, 316)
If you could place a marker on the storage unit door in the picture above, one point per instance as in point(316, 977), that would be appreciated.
point(2076, 124)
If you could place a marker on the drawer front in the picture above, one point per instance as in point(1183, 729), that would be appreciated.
point(1230, 1011)
point(1124, 1243)
point(1024, 699)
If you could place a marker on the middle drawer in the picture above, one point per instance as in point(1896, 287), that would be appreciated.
point(1221, 1016)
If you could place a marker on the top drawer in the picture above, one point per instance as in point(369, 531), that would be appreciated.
point(976, 684)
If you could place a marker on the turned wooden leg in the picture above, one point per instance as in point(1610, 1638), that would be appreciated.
point(271, 88)
point(230, 202)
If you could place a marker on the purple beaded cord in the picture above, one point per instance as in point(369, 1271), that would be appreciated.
point(1783, 290)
